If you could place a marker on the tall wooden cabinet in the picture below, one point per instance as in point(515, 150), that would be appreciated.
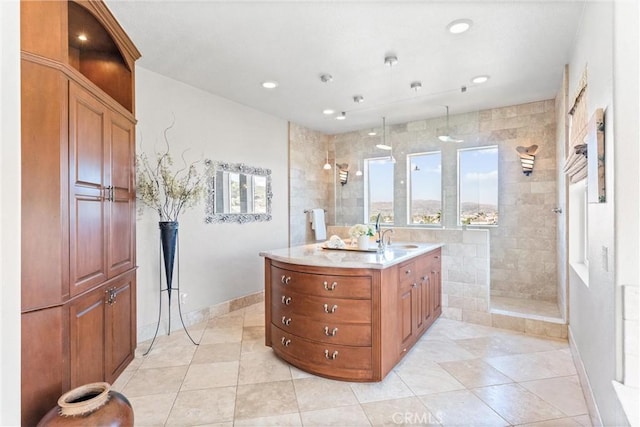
point(78, 200)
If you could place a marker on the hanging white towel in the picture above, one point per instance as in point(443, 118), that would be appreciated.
point(317, 224)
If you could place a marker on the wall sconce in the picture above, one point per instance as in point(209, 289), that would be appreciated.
point(527, 157)
point(327, 165)
point(343, 172)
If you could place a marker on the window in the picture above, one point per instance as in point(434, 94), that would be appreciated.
point(578, 227)
point(478, 186)
point(425, 188)
point(379, 190)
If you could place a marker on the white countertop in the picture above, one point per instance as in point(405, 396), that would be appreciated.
point(315, 255)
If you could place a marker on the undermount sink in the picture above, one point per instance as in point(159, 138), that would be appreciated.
point(407, 246)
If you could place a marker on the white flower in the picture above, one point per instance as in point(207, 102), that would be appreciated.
point(361, 230)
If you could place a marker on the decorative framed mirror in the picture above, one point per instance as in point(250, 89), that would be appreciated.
point(237, 193)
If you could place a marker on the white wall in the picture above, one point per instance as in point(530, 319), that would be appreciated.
point(10, 213)
point(218, 262)
point(594, 307)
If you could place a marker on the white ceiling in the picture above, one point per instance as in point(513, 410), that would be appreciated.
point(229, 47)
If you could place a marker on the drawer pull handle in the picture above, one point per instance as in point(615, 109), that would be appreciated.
point(437, 257)
point(286, 300)
point(285, 279)
point(333, 332)
point(415, 285)
point(286, 320)
point(408, 272)
point(333, 355)
point(424, 277)
point(330, 310)
point(330, 288)
point(285, 342)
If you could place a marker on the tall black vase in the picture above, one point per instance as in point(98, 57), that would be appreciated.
point(168, 239)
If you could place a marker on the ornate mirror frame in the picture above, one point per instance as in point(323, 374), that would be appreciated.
point(212, 167)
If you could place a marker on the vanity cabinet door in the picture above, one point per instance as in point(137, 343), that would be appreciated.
point(408, 301)
point(436, 283)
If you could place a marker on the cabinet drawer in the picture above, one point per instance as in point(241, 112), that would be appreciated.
point(330, 332)
point(320, 355)
point(285, 302)
point(407, 274)
point(322, 285)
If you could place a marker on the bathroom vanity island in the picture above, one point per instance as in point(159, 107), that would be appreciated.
point(350, 315)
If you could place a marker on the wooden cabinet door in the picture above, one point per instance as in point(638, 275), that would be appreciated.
point(122, 204)
point(87, 339)
point(88, 148)
point(120, 332)
point(436, 284)
point(408, 305)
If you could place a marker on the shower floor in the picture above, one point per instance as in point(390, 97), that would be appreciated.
point(529, 308)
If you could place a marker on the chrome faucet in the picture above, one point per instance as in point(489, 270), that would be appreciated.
point(381, 244)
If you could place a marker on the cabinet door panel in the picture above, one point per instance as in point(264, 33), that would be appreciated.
point(86, 316)
point(120, 328)
point(88, 232)
point(121, 252)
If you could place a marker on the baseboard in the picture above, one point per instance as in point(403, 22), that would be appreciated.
point(194, 317)
point(594, 414)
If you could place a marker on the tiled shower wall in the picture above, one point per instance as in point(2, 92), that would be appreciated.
point(523, 245)
point(310, 186)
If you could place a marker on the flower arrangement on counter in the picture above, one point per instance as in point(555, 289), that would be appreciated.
point(361, 230)
point(165, 190)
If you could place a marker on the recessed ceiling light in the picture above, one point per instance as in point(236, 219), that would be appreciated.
point(328, 112)
point(270, 84)
point(341, 116)
point(480, 79)
point(358, 99)
point(326, 78)
point(459, 26)
point(82, 37)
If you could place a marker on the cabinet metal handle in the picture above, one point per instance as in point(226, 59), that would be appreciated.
point(424, 277)
point(330, 288)
point(330, 310)
point(111, 296)
point(285, 342)
point(437, 256)
point(108, 193)
point(408, 272)
point(286, 300)
point(286, 320)
point(285, 279)
point(333, 332)
point(415, 285)
point(333, 355)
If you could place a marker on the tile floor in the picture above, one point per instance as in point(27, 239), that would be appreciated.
point(458, 374)
point(526, 307)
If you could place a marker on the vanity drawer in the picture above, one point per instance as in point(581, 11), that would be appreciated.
point(358, 287)
point(352, 334)
point(322, 356)
point(407, 274)
point(285, 302)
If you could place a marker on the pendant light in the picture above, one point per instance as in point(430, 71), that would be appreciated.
point(327, 165)
point(358, 172)
point(447, 137)
point(383, 144)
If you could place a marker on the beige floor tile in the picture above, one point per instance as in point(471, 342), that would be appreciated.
point(298, 373)
point(319, 393)
point(254, 316)
point(352, 416)
point(516, 404)
point(583, 420)
point(286, 420)
point(486, 346)
point(454, 329)
point(260, 367)
point(208, 375)
point(161, 357)
point(534, 366)
point(560, 422)
point(233, 319)
point(196, 407)
point(521, 343)
point(222, 334)
point(461, 408)
point(152, 410)
point(211, 353)
point(155, 381)
point(564, 393)
point(253, 333)
point(406, 411)
point(475, 373)
point(265, 400)
point(426, 377)
point(120, 383)
point(392, 387)
point(440, 350)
